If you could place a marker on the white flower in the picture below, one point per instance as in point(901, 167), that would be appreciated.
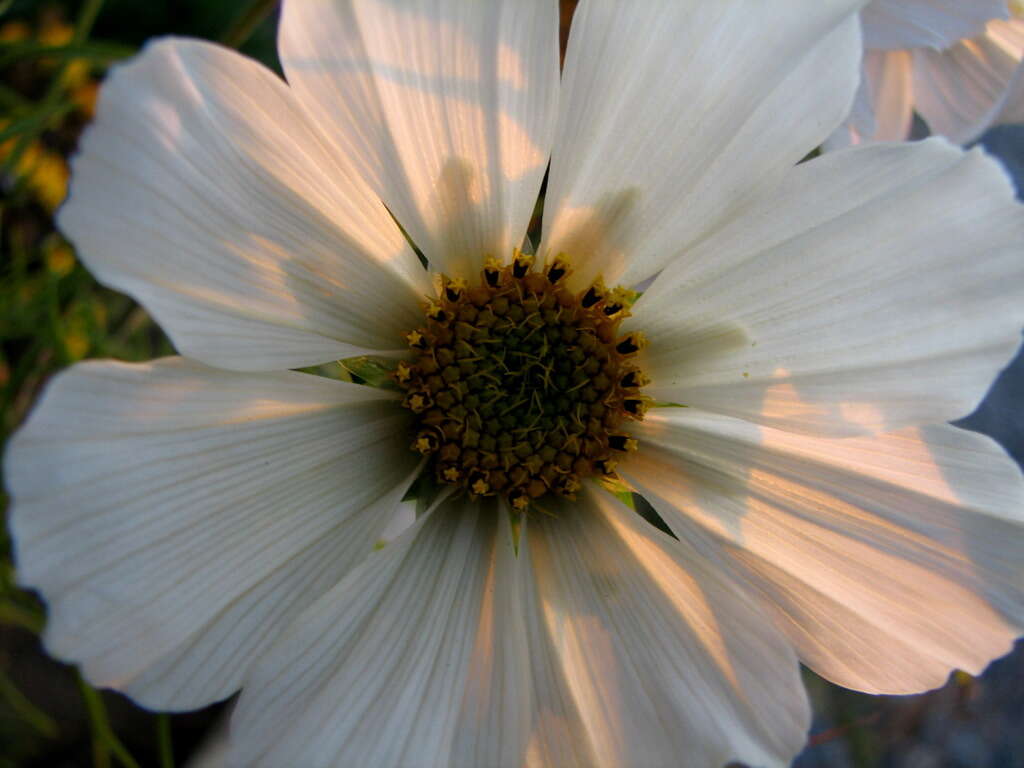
point(203, 524)
point(957, 63)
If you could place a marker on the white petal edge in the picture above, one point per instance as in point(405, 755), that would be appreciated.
point(878, 287)
point(204, 192)
point(664, 651)
point(937, 24)
point(888, 560)
point(963, 91)
point(669, 121)
point(447, 108)
point(177, 517)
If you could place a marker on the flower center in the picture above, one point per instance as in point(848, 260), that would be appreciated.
point(520, 385)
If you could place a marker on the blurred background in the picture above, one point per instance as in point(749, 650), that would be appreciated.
point(53, 313)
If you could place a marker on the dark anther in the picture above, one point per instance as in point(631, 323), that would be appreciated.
point(426, 442)
point(591, 297)
point(628, 345)
point(452, 293)
point(491, 276)
point(556, 272)
point(611, 309)
point(417, 402)
point(630, 380)
point(520, 267)
point(636, 407)
point(566, 485)
point(622, 442)
point(518, 498)
point(478, 484)
point(416, 340)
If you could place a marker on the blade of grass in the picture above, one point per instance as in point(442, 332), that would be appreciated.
point(97, 722)
point(83, 26)
point(99, 52)
point(246, 21)
point(12, 100)
point(25, 709)
point(14, 615)
point(34, 122)
point(104, 741)
point(164, 742)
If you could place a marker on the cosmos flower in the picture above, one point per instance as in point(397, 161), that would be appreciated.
point(778, 393)
point(956, 64)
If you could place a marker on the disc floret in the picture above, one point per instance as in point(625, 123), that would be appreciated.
point(521, 386)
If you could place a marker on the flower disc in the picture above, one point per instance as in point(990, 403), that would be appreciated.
point(521, 386)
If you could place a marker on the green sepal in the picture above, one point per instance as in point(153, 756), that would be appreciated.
point(371, 371)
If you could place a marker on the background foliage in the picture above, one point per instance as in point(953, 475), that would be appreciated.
point(53, 313)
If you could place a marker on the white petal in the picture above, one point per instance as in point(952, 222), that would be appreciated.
point(889, 78)
point(878, 287)
point(446, 107)
point(203, 191)
point(465, 654)
point(496, 715)
point(963, 91)
point(517, 709)
point(860, 122)
point(372, 656)
point(888, 560)
point(665, 655)
point(177, 517)
point(374, 672)
point(670, 121)
point(938, 24)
